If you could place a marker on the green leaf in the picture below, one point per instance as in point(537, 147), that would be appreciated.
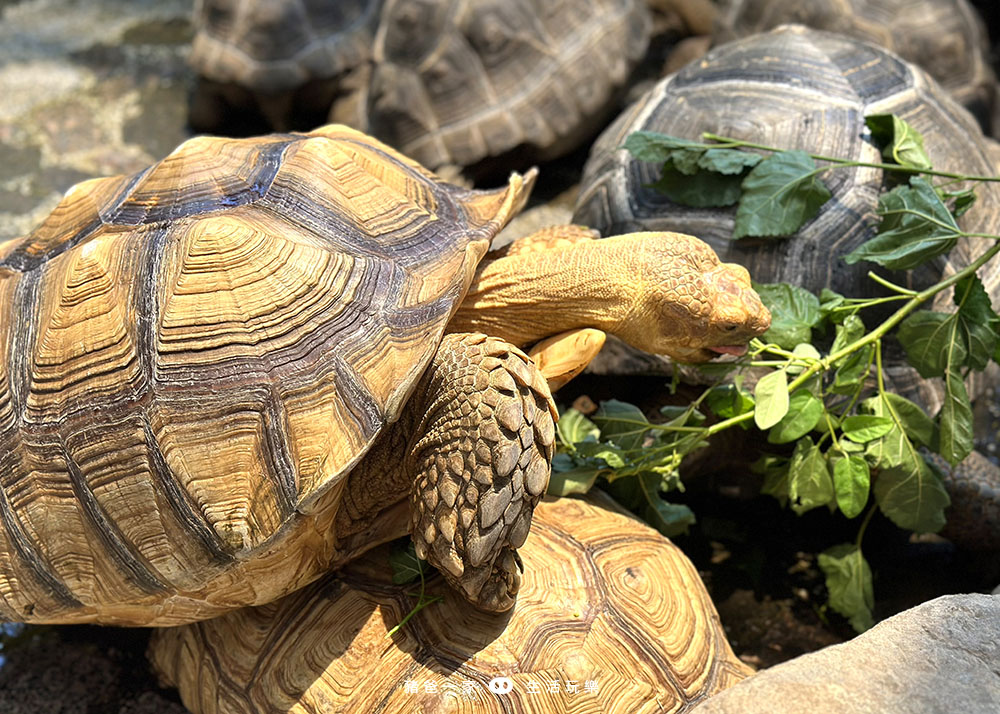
point(703, 189)
point(574, 427)
point(776, 476)
point(863, 428)
point(689, 156)
point(611, 454)
point(976, 322)
point(911, 496)
point(728, 161)
point(406, 566)
point(771, 395)
point(916, 226)
point(916, 424)
point(895, 448)
point(577, 480)
point(809, 484)
point(563, 462)
point(964, 200)
point(849, 582)
point(678, 415)
point(727, 401)
point(794, 312)
point(668, 518)
point(849, 331)
point(829, 300)
point(931, 342)
point(652, 146)
point(780, 194)
point(853, 370)
point(851, 480)
point(804, 412)
point(907, 491)
point(622, 423)
point(805, 354)
point(956, 440)
point(900, 142)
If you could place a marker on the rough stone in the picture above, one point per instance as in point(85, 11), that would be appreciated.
point(89, 89)
point(942, 656)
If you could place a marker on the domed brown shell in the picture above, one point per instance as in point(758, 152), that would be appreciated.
point(609, 610)
point(792, 88)
point(457, 81)
point(193, 357)
point(946, 38)
point(276, 45)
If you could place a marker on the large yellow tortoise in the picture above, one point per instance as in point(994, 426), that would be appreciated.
point(229, 374)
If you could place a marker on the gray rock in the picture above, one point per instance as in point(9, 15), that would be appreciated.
point(88, 89)
point(942, 656)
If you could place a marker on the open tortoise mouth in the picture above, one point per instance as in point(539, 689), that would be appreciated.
point(738, 350)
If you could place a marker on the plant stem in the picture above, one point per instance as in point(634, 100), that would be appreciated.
point(864, 525)
point(736, 143)
point(423, 602)
point(898, 316)
point(872, 275)
point(731, 421)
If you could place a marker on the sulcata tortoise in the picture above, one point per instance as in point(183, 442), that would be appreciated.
point(610, 610)
point(946, 38)
point(798, 88)
point(279, 64)
point(447, 82)
point(227, 374)
point(460, 81)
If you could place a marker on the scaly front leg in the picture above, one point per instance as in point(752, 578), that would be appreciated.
point(481, 461)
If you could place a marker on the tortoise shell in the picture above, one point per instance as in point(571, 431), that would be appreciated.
point(275, 65)
point(793, 88)
point(276, 45)
point(605, 600)
point(946, 38)
point(457, 81)
point(193, 357)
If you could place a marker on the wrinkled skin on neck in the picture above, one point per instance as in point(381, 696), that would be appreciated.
point(664, 293)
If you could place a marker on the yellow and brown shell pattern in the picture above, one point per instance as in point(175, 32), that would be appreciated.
point(191, 358)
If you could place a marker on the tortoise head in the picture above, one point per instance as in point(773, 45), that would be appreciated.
point(688, 305)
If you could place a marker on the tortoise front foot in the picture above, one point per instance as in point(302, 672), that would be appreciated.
point(482, 463)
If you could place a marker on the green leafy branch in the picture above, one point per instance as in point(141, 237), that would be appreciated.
point(637, 459)
point(775, 195)
point(840, 439)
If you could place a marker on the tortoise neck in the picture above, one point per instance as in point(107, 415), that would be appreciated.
point(528, 296)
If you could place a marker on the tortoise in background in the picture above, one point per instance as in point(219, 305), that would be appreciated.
point(279, 64)
point(227, 374)
point(946, 38)
point(447, 82)
point(606, 601)
point(794, 88)
point(459, 81)
point(797, 88)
